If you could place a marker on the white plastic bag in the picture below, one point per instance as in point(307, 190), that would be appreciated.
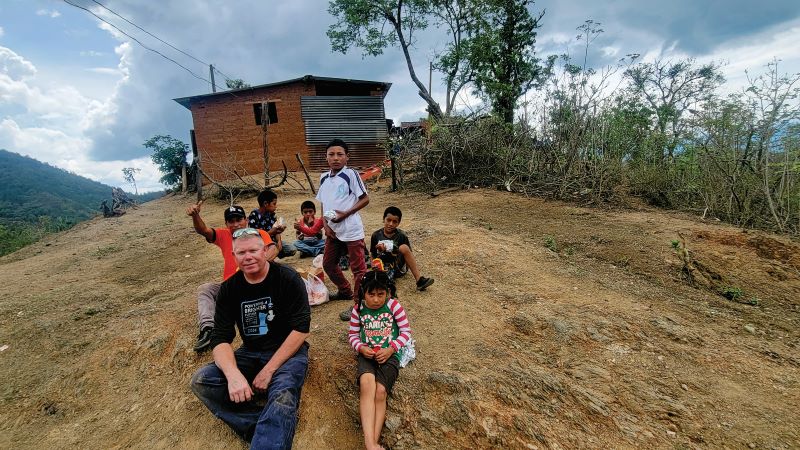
point(317, 292)
point(317, 262)
point(408, 353)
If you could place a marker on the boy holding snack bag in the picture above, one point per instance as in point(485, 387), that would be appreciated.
point(391, 245)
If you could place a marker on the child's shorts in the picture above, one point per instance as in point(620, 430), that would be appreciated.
point(385, 374)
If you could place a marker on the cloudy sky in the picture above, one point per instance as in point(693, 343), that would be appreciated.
point(78, 94)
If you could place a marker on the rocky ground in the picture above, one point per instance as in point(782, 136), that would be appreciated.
point(549, 326)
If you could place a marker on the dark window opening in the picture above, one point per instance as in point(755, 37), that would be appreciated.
point(272, 112)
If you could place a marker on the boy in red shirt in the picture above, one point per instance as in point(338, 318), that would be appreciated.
point(309, 231)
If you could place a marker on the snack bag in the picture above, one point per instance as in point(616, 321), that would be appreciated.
point(317, 292)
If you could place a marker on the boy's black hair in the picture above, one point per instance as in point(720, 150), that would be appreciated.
point(266, 196)
point(376, 279)
point(393, 210)
point(337, 143)
point(308, 204)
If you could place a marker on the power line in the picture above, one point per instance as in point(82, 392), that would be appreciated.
point(223, 75)
point(149, 33)
point(161, 40)
point(140, 43)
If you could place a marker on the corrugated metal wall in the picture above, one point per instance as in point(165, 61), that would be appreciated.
point(359, 121)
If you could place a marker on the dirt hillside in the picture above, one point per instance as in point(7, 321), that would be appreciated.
point(549, 326)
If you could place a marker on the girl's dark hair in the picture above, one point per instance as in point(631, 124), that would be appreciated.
point(376, 279)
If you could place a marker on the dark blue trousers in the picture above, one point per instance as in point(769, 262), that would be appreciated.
point(269, 426)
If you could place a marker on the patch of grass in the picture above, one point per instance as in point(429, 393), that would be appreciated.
point(732, 293)
point(105, 251)
point(550, 244)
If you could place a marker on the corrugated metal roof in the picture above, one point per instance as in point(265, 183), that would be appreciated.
point(187, 101)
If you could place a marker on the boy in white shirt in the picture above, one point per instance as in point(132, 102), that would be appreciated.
point(342, 194)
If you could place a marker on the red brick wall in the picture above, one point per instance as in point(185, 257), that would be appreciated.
point(227, 134)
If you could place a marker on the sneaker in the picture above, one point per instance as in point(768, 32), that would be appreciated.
point(203, 340)
point(339, 295)
point(345, 315)
point(423, 283)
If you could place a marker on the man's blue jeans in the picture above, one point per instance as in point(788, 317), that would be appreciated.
point(269, 426)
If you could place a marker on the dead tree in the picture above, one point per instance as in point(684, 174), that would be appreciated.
point(234, 179)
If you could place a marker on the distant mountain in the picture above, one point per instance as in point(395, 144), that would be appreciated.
point(35, 195)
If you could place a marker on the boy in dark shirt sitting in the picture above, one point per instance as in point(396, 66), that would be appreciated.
point(391, 245)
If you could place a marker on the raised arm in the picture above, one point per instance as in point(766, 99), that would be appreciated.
point(199, 226)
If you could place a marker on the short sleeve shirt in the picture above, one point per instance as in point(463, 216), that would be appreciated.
point(265, 313)
point(261, 221)
point(393, 261)
point(224, 240)
point(340, 192)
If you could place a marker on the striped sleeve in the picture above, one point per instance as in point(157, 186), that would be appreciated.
point(356, 184)
point(402, 323)
point(354, 334)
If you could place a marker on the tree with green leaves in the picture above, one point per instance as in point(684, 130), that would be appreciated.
point(129, 173)
point(374, 25)
point(169, 154)
point(671, 89)
point(458, 18)
point(236, 83)
point(502, 54)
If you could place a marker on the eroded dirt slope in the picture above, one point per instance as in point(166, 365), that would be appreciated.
point(549, 326)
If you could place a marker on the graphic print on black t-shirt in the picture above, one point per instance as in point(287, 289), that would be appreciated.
point(256, 315)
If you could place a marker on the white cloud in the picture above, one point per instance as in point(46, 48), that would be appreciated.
point(47, 12)
point(15, 66)
point(65, 123)
point(69, 152)
point(609, 51)
point(2, 32)
point(105, 70)
point(91, 53)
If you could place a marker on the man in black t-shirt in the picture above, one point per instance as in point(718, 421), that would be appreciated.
point(268, 304)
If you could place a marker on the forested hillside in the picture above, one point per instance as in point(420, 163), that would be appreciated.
point(37, 198)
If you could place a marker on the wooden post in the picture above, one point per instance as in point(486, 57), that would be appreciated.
point(394, 174)
point(198, 178)
point(265, 131)
point(300, 160)
point(183, 178)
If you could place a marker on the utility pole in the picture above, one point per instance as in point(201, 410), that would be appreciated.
point(211, 71)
